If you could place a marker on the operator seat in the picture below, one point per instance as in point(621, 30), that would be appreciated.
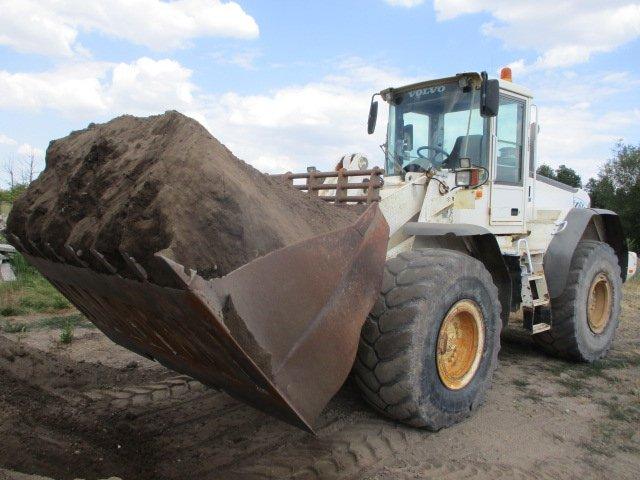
point(475, 151)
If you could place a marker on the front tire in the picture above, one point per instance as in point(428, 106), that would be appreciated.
point(585, 317)
point(429, 348)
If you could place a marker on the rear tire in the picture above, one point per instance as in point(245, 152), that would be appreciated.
point(401, 367)
point(576, 333)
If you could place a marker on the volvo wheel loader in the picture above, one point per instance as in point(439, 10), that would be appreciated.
point(457, 232)
point(475, 234)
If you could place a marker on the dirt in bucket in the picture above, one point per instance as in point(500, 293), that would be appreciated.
point(164, 184)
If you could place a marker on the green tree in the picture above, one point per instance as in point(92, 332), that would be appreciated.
point(563, 174)
point(602, 192)
point(11, 194)
point(617, 188)
point(546, 171)
point(568, 176)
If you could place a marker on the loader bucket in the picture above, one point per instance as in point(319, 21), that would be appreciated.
point(279, 333)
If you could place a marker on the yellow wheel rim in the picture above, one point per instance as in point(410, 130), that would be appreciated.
point(599, 303)
point(460, 344)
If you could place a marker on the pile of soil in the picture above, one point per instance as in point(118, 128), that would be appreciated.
point(163, 184)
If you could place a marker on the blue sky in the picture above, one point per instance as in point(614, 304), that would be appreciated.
point(287, 83)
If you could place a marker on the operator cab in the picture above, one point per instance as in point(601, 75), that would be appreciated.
point(485, 123)
point(433, 127)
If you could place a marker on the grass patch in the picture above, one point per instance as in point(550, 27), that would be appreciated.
point(626, 361)
point(610, 437)
point(597, 369)
point(526, 392)
point(520, 383)
point(574, 386)
point(66, 334)
point(621, 412)
point(556, 367)
point(617, 432)
point(30, 293)
point(56, 322)
point(5, 208)
point(15, 327)
point(533, 396)
point(60, 322)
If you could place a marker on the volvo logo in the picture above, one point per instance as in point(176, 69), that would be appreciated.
point(427, 91)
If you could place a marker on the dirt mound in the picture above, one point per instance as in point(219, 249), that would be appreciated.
point(163, 184)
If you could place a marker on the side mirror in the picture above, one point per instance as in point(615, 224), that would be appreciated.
point(489, 96)
point(407, 138)
point(373, 117)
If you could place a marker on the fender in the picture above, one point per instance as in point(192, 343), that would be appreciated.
point(473, 240)
point(582, 223)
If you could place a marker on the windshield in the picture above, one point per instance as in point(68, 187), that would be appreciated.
point(434, 127)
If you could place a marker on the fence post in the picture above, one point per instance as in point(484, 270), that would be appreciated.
point(341, 186)
point(374, 183)
point(312, 181)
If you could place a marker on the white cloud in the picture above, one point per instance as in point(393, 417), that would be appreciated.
point(564, 33)
point(404, 3)
point(296, 126)
point(28, 27)
point(301, 125)
point(563, 56)
point(69, 89)
point(340, 97)
point(580, 138)
point(51, 27)
point(5, 140)
point(580, 118)
point(27, 150)
point(276, 164)
point(89, 89)
point(307, 105)
point(147, 84)
point(567, 88)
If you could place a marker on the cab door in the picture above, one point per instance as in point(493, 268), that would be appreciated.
point(508, 154)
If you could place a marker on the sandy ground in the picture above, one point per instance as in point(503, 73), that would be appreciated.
point(91, 409)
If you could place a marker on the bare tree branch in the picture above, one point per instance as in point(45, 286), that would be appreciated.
point(31, 166)
point(10, 169)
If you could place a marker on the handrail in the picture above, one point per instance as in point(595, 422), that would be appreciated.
point(316, 182)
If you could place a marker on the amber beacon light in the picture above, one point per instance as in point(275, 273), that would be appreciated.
point(505, 74)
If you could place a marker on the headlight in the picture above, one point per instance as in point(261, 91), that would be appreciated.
point(363, 163)
point(463, 178)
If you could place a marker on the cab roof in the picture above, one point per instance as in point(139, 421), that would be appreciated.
point(387, 93)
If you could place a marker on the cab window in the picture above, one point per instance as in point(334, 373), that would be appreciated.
point(416, 133)
point(510, 134)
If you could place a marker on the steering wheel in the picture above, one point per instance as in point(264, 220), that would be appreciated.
point(437, 150)
point(418, 165)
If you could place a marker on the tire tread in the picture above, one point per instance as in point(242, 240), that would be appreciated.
point(386, 343)
point(562, 340)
